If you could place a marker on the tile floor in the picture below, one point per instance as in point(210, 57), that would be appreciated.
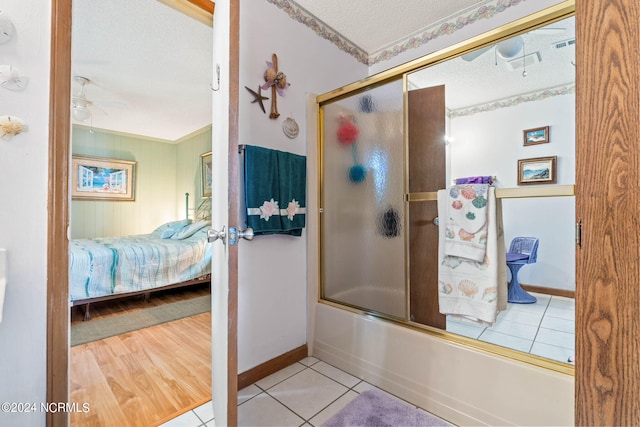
point(306, 393)
point(546, 328)
point(309, 392)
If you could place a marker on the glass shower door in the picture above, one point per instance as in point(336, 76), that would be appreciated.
point(362, 221)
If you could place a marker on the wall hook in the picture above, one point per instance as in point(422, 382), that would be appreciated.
point(218, 73)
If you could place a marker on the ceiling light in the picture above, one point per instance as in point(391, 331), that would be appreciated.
point(508, 49)
point(80, 112)
point(80, 104)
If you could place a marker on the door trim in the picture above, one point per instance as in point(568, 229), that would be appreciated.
point(234, 208)
point(58, 208)
point(57, 329)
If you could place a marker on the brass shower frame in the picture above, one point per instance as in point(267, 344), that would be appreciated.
point(546, 16)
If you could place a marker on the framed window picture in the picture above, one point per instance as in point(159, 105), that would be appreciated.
point(539, 170)
point(97, 178)
point(536, 136)
point(205, 172)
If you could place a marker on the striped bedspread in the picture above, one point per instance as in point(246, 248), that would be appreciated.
point(106, 266)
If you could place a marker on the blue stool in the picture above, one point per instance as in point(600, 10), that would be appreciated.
point(522, 251)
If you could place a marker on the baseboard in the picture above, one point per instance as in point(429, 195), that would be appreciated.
point(271, 366)
point(549, 291)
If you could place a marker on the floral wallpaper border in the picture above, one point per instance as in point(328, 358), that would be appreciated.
point(512, 101)
point(487, 9)
point(300, 14)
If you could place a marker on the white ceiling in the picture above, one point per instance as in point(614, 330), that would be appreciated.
point(376, 24)
point(489, 78)
point(151, 67)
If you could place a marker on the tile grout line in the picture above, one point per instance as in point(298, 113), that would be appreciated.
point(539, 325)
point(320, 373)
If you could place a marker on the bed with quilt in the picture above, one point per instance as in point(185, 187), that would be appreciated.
point(175, 254)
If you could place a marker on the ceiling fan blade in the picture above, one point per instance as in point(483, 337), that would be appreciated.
point(474, 54)
point(109, 103)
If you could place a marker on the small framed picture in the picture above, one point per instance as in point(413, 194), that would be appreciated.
point(539, 170)
point(205, 170)
point(536, 136)
point(97, 178)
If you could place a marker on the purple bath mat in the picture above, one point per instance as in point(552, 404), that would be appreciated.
point(374, 408)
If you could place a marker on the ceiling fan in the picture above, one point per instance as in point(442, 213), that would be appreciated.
point(510, 48)
point(80, 104)
point(506, 49)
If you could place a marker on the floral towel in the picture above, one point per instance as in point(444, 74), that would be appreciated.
point(275, 191)
point(473, 290)
point(466, 221)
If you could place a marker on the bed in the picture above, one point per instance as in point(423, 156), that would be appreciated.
point(175, 254)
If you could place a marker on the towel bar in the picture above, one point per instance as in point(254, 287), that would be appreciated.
point(505, 193)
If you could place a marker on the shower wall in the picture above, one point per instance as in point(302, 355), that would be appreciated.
point(362, 222)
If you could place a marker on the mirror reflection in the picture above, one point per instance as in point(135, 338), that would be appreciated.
point(504, 114)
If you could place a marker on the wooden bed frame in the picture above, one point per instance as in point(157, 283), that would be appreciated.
point(146, 292)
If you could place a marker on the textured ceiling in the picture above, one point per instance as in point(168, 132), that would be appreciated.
point(376, 24)
point(489, 78)
point(149, 66)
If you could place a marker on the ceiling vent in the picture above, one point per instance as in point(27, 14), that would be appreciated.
point(528, 60)
point(564, 43)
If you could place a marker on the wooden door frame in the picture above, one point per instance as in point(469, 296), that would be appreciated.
point(607, 376)
point(57, 332)
point(233, 211)
point(58, 207)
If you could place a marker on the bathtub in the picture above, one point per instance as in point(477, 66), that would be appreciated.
point(461, 384)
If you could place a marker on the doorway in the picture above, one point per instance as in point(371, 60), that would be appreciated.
point(58, 260)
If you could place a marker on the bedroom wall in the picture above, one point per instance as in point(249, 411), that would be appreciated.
point(550, 219)
point(164, 172)
point(188, 170)
point(23, 214)
point(272, 269)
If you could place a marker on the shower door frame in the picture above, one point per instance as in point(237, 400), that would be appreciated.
point(547, 16)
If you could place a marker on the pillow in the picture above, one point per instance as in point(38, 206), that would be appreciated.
point(167, 230)
point(190, 230)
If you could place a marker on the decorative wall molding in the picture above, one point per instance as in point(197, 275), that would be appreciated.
point(303, 16)
point(512, 101)
point(486, 9)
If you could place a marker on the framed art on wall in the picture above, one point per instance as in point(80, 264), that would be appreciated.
point(205, 173)
point(98, 178)
point(539, 170)
point(536, 136)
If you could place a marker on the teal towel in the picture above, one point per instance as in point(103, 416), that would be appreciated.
point(275, 191)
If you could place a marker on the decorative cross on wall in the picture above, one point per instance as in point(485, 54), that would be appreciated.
point(278, 82)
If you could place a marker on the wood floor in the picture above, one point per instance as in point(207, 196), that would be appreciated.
point(138, 302)
point(143, 378)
